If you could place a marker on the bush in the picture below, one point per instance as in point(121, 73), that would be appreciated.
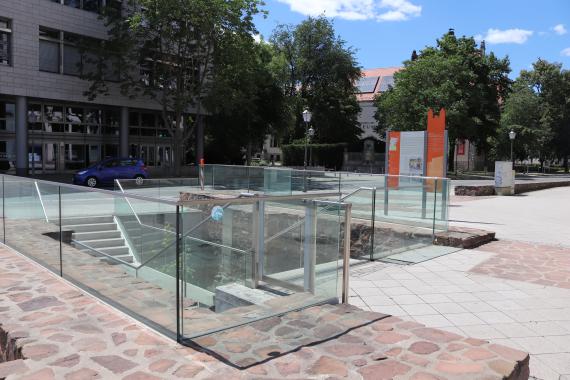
point(328, 155)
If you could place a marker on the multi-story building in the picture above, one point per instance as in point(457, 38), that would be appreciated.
point(46, 123)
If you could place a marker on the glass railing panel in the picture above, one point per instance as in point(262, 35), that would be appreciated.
point(296, 266)
point(363, 201)
point(99, 256)
point(277, 181)
point(330, 243)
point(441, 200)
point(27, 228)
point(162, 188)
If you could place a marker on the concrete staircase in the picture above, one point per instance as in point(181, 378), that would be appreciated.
point(98, 234)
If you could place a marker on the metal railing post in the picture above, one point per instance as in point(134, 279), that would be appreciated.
point(386, 194)
point(373, 224)
point(260, 235)
point(346, 253)
point(60, 232)
point(258, 243)
point(424, 199)
point(310, 247)
point(434, 208)
point(3, 210)
point(444, 197)
point(179, 310)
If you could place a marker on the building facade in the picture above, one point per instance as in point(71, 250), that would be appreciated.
point(47, 125)
point(371, 158)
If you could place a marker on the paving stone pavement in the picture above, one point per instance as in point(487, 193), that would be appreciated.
point(531, 262)
point(452, 293)
point(60, 332)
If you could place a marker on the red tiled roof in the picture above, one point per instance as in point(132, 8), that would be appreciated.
point(380, 73)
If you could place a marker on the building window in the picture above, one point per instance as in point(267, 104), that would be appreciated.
point(7, 116)
point(5, 42)
point(50, 50)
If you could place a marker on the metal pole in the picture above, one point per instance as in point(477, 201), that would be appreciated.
point(306, 143)
point(373, 224)
point(178, 301)
point(434, 210)
point(346, 253)
point(310, 247)
point(386, 194)
point(60, 234)
point(260, 245)
point(3, 211)
point(512, 159)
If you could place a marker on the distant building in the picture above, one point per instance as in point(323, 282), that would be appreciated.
point(46, 123)
point(372, 83)
point(371, 157)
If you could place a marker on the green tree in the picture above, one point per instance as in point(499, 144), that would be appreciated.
point(245, 99)
point(521, 114)
point(317, 71)
point(165, 50)
point(551, 84)
point(455, 75)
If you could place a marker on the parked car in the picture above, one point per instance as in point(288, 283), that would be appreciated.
point(106, 171)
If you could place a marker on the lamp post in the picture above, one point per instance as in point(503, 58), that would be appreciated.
point(309, 132)
point(512, 136)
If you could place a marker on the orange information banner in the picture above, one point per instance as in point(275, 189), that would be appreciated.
point(394, 159)
point(436, 145)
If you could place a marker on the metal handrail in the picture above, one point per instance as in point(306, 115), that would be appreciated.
point(41, 200)
point(128, 202)
point(297, 224)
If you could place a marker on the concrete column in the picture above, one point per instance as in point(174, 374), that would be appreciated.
point(21, 136)
point(124, 133)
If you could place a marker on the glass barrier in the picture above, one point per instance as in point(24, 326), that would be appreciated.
point(251, 261)
point(185, 268)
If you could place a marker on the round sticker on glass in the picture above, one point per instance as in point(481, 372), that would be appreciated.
point(217, 213)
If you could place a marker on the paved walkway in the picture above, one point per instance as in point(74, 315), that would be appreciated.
point(497, 292)
point(540, 216)
point(63, 333)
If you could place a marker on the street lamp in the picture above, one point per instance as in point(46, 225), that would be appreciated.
point(309, 132)
point(512, 136)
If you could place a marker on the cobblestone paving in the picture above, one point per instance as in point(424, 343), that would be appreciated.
point(447, 294)
point(62, 333)
point(530, 262)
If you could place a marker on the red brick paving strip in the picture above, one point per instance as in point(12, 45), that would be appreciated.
point(68, 334)
point(529, 262)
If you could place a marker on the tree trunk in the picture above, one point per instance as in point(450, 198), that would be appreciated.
point(566, 164)
point(199, 139)
point(178, 146)
point(451, 157)
point(249, 149)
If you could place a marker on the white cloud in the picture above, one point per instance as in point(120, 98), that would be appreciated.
point(257, 38)
point(507, 36)
point(566, 52)
point(380, 10)
point(559, 29)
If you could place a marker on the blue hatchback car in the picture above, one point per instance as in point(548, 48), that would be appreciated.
point(106, 171)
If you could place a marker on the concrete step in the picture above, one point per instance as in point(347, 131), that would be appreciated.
point(103, 243)
point(91, 227)
point(87, 220)
point(96, 235)
point(125, 258)
point(115, 251)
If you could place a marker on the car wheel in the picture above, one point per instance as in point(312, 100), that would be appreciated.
point(139, 180)
point(91, 182)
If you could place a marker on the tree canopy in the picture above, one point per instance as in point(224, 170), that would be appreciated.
point(317, 71)
point(165, 50)
point(538, 109)
point(456, 75)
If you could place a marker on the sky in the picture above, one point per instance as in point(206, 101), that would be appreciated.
point(384, 32)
